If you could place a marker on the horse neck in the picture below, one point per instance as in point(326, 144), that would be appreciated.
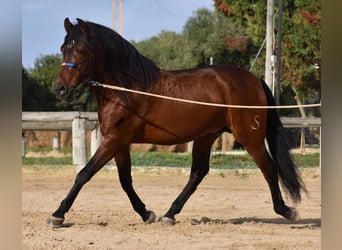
point(99, 92)
point(105, 96)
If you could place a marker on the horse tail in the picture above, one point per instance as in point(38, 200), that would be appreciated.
point(288, 172)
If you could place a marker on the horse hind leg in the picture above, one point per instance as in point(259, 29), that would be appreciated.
point(270, 170)
point(199, 169)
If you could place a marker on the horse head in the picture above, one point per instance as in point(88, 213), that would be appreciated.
point(76, 52)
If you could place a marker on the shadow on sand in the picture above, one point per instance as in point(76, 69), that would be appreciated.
point(302, 223)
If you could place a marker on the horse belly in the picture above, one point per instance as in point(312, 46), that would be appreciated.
point(180, 127)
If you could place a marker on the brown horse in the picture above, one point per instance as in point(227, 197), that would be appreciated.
point(92, 53)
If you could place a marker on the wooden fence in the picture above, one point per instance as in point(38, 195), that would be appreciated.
point(80, 122)
point(77, 122)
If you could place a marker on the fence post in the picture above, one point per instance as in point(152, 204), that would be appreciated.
point(189, 146)
point(95, 139)
point(23, 145)
point(224, 143)
point(302, 140)
point(55, 142)
point(79, 146)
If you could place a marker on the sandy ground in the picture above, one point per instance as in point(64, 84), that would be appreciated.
point(236, 206)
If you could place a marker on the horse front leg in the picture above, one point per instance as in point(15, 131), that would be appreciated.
point(123, 162)
point(104, 153)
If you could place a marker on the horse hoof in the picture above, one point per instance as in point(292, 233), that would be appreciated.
point(168, 221)
point(55, 222)
point(294, 214)
point(152, 218)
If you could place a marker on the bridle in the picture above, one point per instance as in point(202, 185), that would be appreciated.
point(75, 66)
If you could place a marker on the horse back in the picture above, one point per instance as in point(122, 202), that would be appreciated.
point(223, 83)
point(170, 122)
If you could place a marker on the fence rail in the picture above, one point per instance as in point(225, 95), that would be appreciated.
point(298, 122)
point(79, 122)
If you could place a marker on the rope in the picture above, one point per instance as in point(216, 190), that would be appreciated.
point(201, 103)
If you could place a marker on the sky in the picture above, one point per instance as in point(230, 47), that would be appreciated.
point(43, 20)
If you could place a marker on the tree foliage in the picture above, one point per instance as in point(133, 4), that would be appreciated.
point(168, 50)
point(35, 97)
point(45, 69)
point(215, 36)
point(205, 34)
point(38, 88)
point(302, 48)
point(301, 38)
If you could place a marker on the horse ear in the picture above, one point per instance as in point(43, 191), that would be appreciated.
point(83, 26)
point(67, 24)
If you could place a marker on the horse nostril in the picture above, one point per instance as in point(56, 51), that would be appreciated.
point(62, 89)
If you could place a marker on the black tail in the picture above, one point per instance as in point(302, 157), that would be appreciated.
point(279, 148)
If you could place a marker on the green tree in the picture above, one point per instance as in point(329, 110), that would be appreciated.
point(36, 97)
point(206, 34)
point(46, 69)
point(207, 31)
point(168, 50)
point(301, 49)
point(251, 17)
point(300, 44)
point(43, 74)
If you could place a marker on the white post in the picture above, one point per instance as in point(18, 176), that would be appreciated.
point(23, 146)
point(224, 143)
point(320, 149)
point(269, 43)
point(189, 146)
point(95, 139)
point(79, 146)
point(55, 142)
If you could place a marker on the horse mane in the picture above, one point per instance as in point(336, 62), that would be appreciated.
point(127, 66)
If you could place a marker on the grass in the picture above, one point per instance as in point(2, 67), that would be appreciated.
point(217, 161)
point(48, 149)
point(46, 161)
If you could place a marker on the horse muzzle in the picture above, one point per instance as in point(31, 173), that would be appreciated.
point(63, 91)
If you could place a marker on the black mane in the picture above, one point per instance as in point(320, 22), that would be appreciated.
point(127, 66)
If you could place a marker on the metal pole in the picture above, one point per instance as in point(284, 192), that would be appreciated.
point(120, 17)
point(113, 14)
point(280, 22)
point(269, 42)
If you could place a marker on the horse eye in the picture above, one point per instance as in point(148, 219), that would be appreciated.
point(79, 51)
